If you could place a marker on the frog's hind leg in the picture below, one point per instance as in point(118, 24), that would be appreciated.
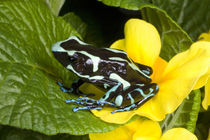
point(95, 104)
point(111, 93)
point(74, 88)
point(151, 90)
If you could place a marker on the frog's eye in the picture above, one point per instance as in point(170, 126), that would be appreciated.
point(79, 67)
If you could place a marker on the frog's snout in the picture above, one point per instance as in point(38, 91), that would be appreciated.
point(57, 48)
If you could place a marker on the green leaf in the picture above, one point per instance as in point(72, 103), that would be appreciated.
point(127, 4)
point(192, 16)
point(11, 133)
point(186, 115)
point(77, 23)
point(70, 137)
point(202, 128)
point(30, 97)
point(55, 5)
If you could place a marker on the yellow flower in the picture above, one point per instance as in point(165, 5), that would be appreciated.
point(206, 100)
point(143, 130)
point(176, 79)
point(205, 36)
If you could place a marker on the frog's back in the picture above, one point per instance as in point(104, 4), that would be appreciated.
point(97, 65)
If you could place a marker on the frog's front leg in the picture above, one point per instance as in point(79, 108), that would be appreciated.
point(86, 108)
point(143, 93)
point(74, 88)
point(97, 104)
point(90, 102)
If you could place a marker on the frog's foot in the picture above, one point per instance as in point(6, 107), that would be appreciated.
point(73, 90)
point(64, 89)
point(89, 103)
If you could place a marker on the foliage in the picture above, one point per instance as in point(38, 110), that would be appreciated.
point(31, 99)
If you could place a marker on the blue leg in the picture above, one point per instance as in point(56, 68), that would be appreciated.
point(86, 108)
point(88, 102)
point(152, 91)
point(112, 92)
point(133, 106)
point(74, 88)
point(97, 104)
point(66, 90)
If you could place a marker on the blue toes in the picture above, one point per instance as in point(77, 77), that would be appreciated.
point(66, 90)
point(79, 102)
point(86, 99)
point(63, 89)
point(128, 108)
point(75, 109)
point(59, 83)
point(71, 101)
point(85, 108)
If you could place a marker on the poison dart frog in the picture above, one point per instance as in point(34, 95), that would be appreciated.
point(128, 84)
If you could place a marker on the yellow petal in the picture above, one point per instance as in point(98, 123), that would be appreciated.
point(136, 130)
point(147, 130)
point(142, 41)
point(121, 133)
point(178, 79)
point(158, 69)
point(206, 100)
point(181, 75)
point(152, 109)
point(146, 138)
point(178, 134)
point(202, 80)
point(119, 44)
point(119, 118)
point(205, 36)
